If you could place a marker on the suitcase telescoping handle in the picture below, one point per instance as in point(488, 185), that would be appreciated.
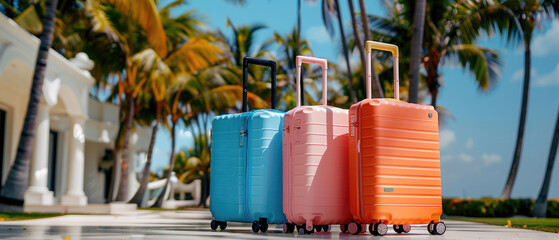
point(369, 45)
point(299, 60)
point(262, 62)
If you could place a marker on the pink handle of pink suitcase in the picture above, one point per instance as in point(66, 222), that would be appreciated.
point(299, 60)
point(369, 45)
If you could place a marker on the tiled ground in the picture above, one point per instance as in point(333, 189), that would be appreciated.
point(194, 224)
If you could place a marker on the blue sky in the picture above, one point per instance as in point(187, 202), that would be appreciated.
point(477, 146)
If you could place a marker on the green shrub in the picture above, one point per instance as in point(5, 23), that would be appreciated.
point(490, 207)
point(553, 208)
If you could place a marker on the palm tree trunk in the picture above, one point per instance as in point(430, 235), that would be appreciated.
point(358, 42)
point(17, 178)
point(375, 85)
point(521, 126)
point(122, 194)
point(299, 21)
point(416, 45)
point(161, 197)
point(139, 196)
point(434, 96)
point(540, 209)
point(346, 54)
point(116, 155)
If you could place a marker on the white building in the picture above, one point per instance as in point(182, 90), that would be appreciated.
point(73, 131)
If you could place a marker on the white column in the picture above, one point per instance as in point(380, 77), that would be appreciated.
point(74, 182)
point(37, 193)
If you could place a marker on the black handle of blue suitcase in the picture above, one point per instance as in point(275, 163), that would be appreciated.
point(262, 62)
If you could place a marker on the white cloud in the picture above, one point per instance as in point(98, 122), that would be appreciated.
point(446, 137)
point(466, 158)
point(545, 44)
point(470, 143)
point(318, 34)
point(519, 74)
point(551, 78)
point(489, 159)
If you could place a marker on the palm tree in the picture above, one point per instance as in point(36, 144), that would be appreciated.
point(375, 85)
point(196, 163)
point(17, 178)
point(527, 14)
point(540, 209)
point(178, 95)
point(242, 45)
point(416, 46)
point(161, 77)
point(288, 47)
point(452, 28)
point(331, 7)
point(358, 40)
point(134, 25)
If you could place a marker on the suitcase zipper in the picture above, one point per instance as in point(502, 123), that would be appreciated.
point(360, 163)
point(244, 132)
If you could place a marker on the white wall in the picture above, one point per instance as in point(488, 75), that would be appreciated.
point(94, 181)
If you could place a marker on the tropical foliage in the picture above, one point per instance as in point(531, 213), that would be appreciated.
point(167, 70)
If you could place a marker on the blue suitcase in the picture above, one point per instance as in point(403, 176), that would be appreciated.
point(246, 163)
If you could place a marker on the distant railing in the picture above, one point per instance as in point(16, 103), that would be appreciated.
point(155, 187)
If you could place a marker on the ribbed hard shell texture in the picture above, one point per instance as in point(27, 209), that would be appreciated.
point(246, 179)
point(315, 165)
point(394, 162)
point(265, 172)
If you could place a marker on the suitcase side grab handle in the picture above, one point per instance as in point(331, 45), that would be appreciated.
point(299, 60)
point(369, 45)
point(262, 62)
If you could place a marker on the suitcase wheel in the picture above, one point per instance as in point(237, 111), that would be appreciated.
point(354, 228)
point(215, 224)
point(302, 229)
point(263, 225)
point(436, 228)
point(255, 226)
point(322, 228)
point(402, 228)
point(343, 228)
point(260, 225)
point(288, 228)
point(378, 229)
point(318, 228)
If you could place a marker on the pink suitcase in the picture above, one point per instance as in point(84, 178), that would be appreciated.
point(315, 162)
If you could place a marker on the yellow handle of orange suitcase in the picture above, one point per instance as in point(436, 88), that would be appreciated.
point(369, 46)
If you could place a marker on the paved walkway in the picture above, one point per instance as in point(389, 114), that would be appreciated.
point(194, 224)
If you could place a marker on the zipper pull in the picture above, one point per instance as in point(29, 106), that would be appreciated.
point(243, 134)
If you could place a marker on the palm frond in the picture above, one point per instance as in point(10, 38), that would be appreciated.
point(194, 55)
point(145, 14)
point(483, 63)
point(30, 21)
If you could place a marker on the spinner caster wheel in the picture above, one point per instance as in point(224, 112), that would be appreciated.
point(354, 228)
point(288, 228)
point(402, 228)
point(263, 225)
point(378, 229)
point(214, 224)
point(438, 228)
point(255, 226)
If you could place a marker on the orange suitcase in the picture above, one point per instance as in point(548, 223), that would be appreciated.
point(394, 161)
